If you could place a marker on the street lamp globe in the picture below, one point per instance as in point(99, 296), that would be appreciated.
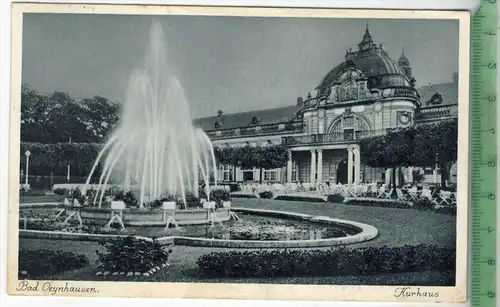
point(27, 153)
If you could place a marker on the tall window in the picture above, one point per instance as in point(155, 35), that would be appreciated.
point(227, 172)
point(271, 175)
point(294, 171)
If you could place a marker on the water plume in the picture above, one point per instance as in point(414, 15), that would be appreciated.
point(156, 149)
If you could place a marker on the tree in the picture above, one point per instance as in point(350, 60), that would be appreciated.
point(423, 145)
point(392, 150)
point(58, 117)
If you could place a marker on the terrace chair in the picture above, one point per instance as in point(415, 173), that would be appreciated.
point(445, 198)
point(401, 196)
point(413, 193)
point(361, 190)
point(381, 191)
point(426, 193)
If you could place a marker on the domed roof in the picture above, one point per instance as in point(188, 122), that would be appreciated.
point(374, 62)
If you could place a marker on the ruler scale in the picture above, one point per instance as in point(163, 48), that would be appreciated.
point(484, 159)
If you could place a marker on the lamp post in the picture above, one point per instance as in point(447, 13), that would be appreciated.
point(27, 153)
point(68, 176)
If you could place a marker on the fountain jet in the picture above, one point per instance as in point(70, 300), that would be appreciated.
point(155, 147)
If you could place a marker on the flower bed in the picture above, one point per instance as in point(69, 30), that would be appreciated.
point(132, 257)
point(40, 263)
point(333, 262)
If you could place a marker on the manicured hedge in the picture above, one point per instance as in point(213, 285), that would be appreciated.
point(266, 194)
point(241, 195)
point(41, 263)
point(340, 261)
point(335, 198)
point(130, 254)
point(378, 203)
point(300, 198)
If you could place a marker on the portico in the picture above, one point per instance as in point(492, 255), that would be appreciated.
point(321, 171)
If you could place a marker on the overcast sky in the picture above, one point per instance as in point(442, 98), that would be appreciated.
point(228, 63)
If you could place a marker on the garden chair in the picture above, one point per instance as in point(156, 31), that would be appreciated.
point(388, 194)
point(361, 190)
point(413, 193)
point(381, 192)
point(401, 196)
point(445, 197)
point(426, 193)
point(350, 191)
point(372, 189)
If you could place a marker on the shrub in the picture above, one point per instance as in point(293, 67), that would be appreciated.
point(299, 198)
point(423, 204)
point(234, 187)
point(378, 203)
point(42, 263)
point(335, 198)
point(59, 191)
point(130, 254)
point(266, 194)
point(340, 261)
point(128, 198)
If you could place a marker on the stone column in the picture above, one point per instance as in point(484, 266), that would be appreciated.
point(410, 174)
point(388, 174)
point(320, 165)
point(313, 166)
point(289, 168)
point(357, 166)
point(350, 164)
point(398, 176)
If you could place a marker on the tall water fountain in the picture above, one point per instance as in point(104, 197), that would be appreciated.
point(155, 148)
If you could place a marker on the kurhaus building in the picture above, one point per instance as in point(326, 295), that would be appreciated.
point(363, 96)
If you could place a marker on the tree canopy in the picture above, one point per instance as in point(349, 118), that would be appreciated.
point(58, 117)
point(420, 145)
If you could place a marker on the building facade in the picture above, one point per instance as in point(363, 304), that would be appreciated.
point(361, 97)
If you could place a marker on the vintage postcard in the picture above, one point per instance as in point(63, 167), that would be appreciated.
point(245, 153)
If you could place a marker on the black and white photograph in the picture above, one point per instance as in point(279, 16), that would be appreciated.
point(287, 153)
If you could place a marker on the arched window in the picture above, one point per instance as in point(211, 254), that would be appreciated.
point(349, 127)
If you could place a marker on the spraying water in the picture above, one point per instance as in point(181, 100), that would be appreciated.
point(156, 148)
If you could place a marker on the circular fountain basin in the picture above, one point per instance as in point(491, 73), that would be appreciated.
point(148, 217)
point(227, 234)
